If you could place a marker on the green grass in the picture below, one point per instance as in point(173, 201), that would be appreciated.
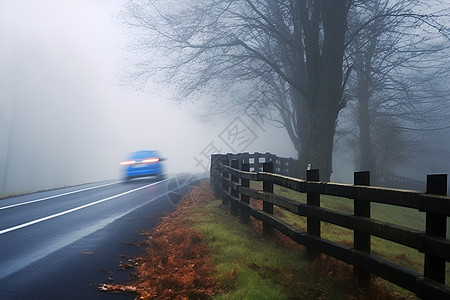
point(252, 267)
point(407, 217)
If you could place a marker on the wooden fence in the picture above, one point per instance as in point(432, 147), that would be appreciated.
point(283, 166)
point(231, 181)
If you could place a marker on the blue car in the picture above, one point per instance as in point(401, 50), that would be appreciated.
point(143, 164)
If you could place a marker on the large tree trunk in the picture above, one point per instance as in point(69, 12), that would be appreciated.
point(319, 150)
point(325, 80)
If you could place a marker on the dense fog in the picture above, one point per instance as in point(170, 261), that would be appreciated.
point(70, 112)
point(67, 118)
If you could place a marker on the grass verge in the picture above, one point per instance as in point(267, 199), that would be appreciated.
point(250, 266)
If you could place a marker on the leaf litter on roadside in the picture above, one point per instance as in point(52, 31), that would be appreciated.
point(176, 263)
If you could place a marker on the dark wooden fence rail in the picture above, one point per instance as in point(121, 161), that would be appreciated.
point(230, 177)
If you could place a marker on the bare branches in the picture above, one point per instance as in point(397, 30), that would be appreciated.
point(290, 55)
point(395, 60)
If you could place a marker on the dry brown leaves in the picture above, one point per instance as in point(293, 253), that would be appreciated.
point(176, 264)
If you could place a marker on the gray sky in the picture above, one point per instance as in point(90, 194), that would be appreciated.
point(65, 117)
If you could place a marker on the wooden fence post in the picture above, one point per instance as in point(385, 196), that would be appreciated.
point(268, 207)
point(313, 199)
point(225, 175)
point(436, 224)
point(245, 158)
point(361, 240)
point(215, 159)
point(245, 211)
point(234, 209)
point(256, 162)
point(269, 157)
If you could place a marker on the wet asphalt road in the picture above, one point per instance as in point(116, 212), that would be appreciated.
point(63, 244)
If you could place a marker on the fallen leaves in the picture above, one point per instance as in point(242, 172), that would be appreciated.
point(125, 266)
point(114, 288)
point(176, 264)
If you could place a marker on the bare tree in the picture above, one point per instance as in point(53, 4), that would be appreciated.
point(288, 53)
point(396, 60)
point(296, 47)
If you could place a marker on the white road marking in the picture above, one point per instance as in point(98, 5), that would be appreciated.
point(56, 196)
point(72, 210)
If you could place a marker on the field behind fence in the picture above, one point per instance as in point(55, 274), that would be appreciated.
point(231, 177)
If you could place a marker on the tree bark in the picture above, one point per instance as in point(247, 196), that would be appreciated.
point(319, 150)
point(325, 81)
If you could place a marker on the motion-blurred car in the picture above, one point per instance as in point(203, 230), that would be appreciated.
point(143, 164)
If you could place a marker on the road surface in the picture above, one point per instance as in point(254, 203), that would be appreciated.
point(62, 244)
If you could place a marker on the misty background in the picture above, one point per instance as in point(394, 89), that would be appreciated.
point(66, 115)
point(70, 112)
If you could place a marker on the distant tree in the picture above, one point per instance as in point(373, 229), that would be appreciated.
point(397, 62)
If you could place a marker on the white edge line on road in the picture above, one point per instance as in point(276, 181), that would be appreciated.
point(55, 196)
point(72, 210)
